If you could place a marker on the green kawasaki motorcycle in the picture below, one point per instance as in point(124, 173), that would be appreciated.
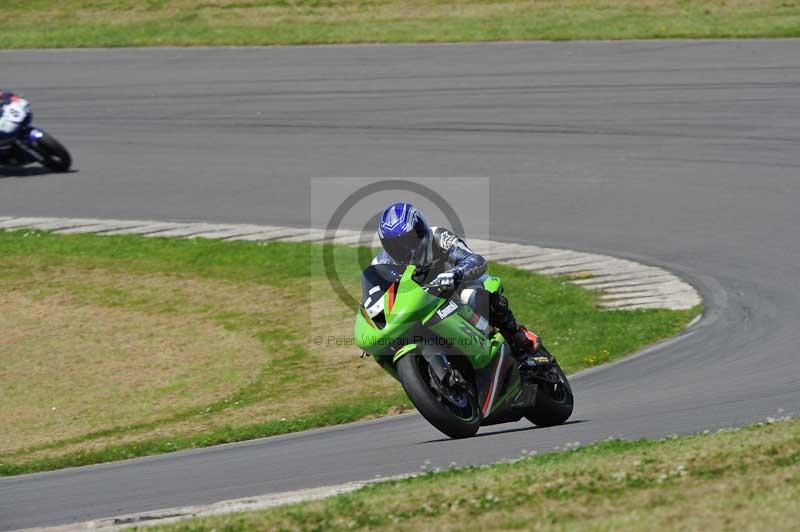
point(457, 370)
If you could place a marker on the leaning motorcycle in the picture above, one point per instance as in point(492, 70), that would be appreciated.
point(30, 144)
point(456, 369)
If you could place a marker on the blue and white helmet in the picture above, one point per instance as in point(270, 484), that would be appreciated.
point(404, 233)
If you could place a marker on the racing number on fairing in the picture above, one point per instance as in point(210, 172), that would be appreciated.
point(14, 114)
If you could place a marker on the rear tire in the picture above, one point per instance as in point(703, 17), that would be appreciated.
point(448, 417)
point(554, 403)
point(56, 157)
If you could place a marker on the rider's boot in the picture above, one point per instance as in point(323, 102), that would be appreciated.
point(523, 342)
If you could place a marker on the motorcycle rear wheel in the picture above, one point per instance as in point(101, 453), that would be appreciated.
point(55, 155)
point(458, 417)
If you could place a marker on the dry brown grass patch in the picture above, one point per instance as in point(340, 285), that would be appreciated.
point(75, 363)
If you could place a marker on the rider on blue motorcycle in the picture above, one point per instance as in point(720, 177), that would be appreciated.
point(444, 259)
point(15, 114)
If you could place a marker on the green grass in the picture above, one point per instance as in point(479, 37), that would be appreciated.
point(114, 347)
point(744, 479)
point(83, 23)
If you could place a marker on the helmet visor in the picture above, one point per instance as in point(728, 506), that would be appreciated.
point(403, 248)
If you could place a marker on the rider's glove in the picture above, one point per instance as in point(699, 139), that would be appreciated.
point(447, 279)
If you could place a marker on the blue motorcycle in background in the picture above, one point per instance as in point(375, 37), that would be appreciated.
point(22, 143)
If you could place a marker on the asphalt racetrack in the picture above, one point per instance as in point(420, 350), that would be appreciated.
point(684, 154)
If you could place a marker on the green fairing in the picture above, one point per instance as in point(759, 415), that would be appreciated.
point(466, 338)
point(412, 305)
point(413, 308)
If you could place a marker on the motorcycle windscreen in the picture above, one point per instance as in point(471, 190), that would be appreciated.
point(375, 281)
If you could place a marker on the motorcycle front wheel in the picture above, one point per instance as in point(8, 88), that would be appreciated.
point(54, 155)
point(455, 413)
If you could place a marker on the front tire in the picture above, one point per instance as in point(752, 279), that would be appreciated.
point(457, 414)
point(55, 155)
point(554, 401)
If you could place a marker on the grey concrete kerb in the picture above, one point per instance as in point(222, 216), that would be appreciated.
point(623, 284)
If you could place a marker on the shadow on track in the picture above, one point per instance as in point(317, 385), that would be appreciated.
point(507, 431)
point(28, 171)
